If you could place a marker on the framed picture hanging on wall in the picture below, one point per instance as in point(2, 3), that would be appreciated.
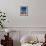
point(23, 11)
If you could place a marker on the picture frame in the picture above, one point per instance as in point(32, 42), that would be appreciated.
point(23, 11)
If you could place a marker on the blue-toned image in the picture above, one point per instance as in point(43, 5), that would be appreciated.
point(23, 10)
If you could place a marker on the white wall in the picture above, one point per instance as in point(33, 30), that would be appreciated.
point(34, 22)
point(39, 13)
point(12, 9)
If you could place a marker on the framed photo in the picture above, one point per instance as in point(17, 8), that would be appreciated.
point(23, 11)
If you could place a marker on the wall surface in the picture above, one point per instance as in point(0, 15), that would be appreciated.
point(35, 19)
